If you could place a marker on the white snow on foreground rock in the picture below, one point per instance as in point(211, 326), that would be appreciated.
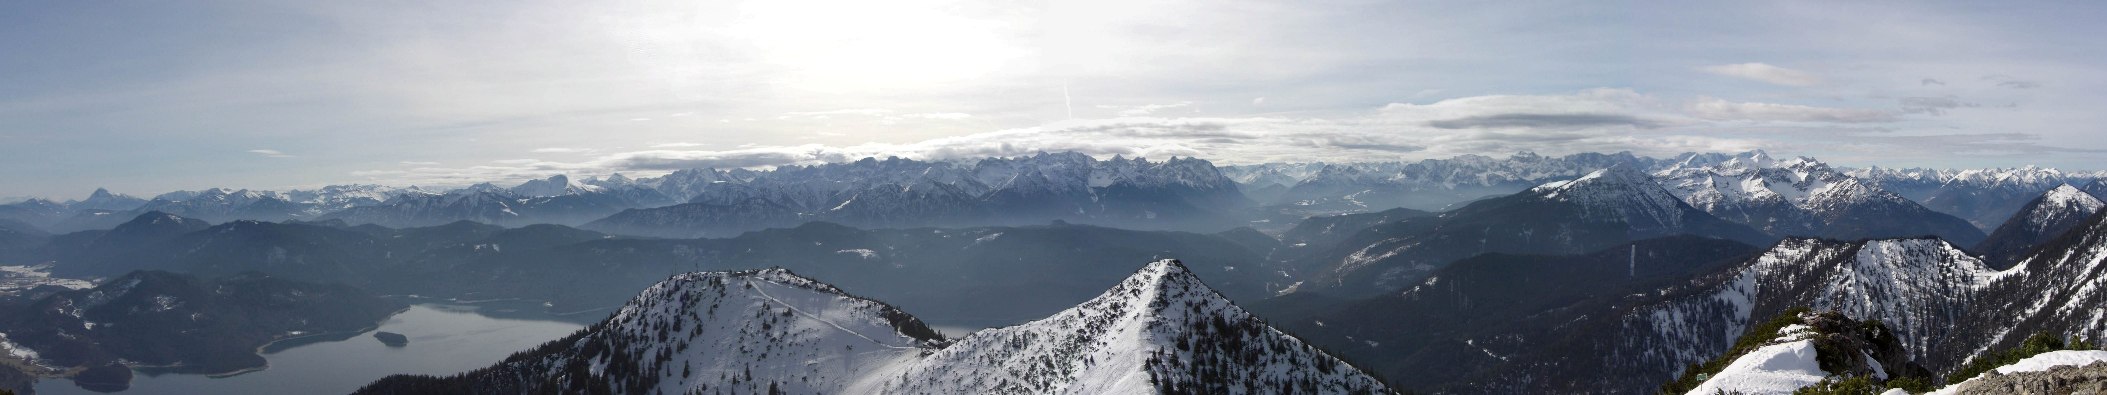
point(1774, 369)
point(770, 331)
point(2037, 363)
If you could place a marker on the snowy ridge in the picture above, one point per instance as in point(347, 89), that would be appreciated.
point(1159, 329)
point(2042, 220)
point(2059, 205)
point(734, 332)
point(1779, 368)
point(1618, 193)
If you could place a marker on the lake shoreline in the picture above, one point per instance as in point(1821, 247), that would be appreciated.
point(453, 338)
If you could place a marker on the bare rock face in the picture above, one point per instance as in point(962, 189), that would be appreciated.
point(2089, 379)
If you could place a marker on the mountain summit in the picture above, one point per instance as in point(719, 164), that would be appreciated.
point(1160, 330)
point(2057, 211)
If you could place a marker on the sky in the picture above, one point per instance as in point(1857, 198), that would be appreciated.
point(148, 97)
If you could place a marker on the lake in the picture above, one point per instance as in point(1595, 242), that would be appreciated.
point(444, 339)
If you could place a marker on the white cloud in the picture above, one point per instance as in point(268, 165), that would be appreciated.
point(681, 144)
point(1766, 73)
point(1723, 110)
point(1147, 109)
point(561, 150)
point(1602, 120)
point(270, 153)
point(417, 163)
point(1594, 120)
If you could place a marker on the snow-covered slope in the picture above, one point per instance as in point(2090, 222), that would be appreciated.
point(1779, 368)
point(770, 331)
point(1618, 193)
point(734, 332)
point(1925, 290)
point(2058, 288)
point(1160, 331)
point(2055, 212)
point(1802, 349)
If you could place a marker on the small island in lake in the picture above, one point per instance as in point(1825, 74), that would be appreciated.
point(392, 339)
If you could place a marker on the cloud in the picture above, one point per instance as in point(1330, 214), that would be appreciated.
point(1766, 73)
point(561, 150)
point(667, 160)
point(1932, 105)
point(2019, 84)
point(1723, 110)
point(416, 163)
point(1929, 82)
point(270, 153)
point(1594, 120)
point(681, 144)
point(1147, 109)
point(1544, 121)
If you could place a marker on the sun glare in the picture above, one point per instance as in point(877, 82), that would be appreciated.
point(834, 46)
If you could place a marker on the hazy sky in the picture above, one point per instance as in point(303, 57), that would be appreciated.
point(145, 97)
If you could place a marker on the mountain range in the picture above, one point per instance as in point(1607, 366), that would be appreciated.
point(1593, 273)
point(1793, 197)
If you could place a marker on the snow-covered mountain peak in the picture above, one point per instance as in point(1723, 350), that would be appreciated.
point(2010, 177)
point(1159, 331)
point(2069, 196)
point(1620, 192)
point(2055, 211)
point(1756, 160)
point(754, 331)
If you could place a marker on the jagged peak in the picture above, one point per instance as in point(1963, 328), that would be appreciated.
point(1619, 178)
point(1160, 276)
